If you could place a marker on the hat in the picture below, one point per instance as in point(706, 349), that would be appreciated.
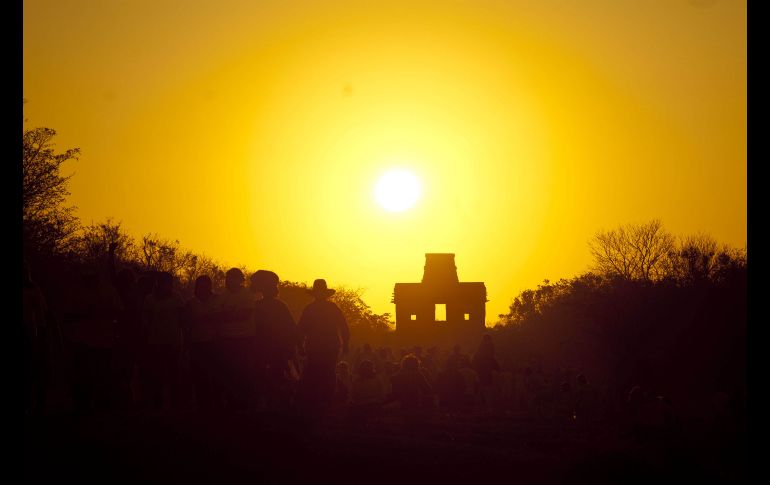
point(320, 290)
point(264, 279)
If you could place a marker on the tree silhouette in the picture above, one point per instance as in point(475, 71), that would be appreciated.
point(633, 251)
point(699, 259)
point(48, 224)
point(680, 326)
point(196, 265)
point(93, 242)
point(364, 324)
point(160, 254)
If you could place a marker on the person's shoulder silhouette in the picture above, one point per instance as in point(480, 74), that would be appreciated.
point(272, 316)
point(321, 310)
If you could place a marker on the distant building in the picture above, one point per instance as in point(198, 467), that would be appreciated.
point(441, 305)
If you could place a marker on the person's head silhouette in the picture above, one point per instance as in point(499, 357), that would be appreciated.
point(265, 282)
point(319, 290)
point(343, 368)
point(89, 276)
point(234, 279)
point(410, 362)
point(125, 279)
point(165, 283)
point(146, 284)
point(203, 287)
point(366, 369)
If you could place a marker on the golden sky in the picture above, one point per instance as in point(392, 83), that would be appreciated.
point(255, 131)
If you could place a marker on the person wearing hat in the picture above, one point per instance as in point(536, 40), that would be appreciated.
point(325, 333)
point(276, 337)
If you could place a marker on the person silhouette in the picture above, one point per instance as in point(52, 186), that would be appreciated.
point(90, 315)
point(486, 365)
point(564, 402)
point(413, 392)
point(451, 386)
point(145, 285)
point(277, 337)
point(34, 315)
point(368, 354)
point(470, 382)
point(343, 383)
point(129, 338)
point(367, 394)
point(325, 331)
point(586, 398)
point(237, 340)
point(200, 330)
point(163, 315)
point(128, 333)
point(534, 391)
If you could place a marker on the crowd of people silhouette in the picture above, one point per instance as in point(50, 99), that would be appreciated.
point(112, 346)
point(134, 343)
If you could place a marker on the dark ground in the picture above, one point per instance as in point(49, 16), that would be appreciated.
point(263, 448)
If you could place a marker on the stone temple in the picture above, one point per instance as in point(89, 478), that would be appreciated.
point(440, 308)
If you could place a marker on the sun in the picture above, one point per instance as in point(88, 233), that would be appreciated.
point(397, 190)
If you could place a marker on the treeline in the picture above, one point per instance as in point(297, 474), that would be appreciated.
point(665, 313)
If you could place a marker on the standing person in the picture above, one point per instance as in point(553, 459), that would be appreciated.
point(145, 285)
point(471, 384)
point(277, 337)
point(129, 335)
point(163, 317)
point(586, 399)
point(535, 399)
point(90, 316)
point(237, 340)
point(454, 358)
point(36, 357)
point(485, 364)
point(451, 387)
point(201, 312)
point(325, 333)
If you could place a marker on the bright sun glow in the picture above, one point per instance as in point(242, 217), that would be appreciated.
point(397, 190)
